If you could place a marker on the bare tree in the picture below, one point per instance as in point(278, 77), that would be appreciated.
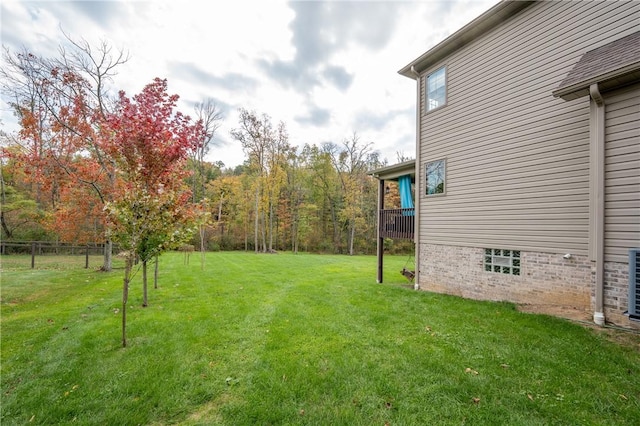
point(402, 157)
point(210, 116)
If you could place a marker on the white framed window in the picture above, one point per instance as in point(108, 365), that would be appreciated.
point(436, 95)
point(502, 261)
point(435, 173)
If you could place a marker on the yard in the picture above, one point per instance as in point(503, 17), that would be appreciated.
point(296, 339)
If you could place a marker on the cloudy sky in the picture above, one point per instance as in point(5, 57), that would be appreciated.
point(327, 69)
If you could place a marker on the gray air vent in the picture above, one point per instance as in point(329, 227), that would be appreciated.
point(634, 284)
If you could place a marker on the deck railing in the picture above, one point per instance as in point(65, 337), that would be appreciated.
point(397, 223)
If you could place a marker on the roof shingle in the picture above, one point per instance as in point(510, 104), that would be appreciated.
point(615, 63)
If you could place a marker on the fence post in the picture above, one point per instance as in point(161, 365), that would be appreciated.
point(86, 258)
point(33, 255)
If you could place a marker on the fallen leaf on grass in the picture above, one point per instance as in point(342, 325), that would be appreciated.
point(530, 396)
point(476, 400)
point(469, 370)
point(301, 412)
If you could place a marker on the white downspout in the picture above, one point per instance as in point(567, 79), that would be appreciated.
point(597, 136)
point(418, 192)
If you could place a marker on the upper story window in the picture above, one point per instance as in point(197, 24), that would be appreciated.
point(435, 176)
point(436, 89)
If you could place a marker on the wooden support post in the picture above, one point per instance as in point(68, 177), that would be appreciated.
point(33, 255)
point(380, 239)
point(86, 257)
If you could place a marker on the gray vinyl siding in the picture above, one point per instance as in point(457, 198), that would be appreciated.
point(622, 173)
point(517, 158)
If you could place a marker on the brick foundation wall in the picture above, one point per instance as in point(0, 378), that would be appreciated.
point(545, 278)
point(616, 294)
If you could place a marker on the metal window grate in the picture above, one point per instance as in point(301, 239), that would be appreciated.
point(502, 261)
point(634, 284)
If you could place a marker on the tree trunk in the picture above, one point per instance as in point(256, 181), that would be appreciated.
point(294, 234)
point(263, 229)
point(256, 221)
point(352, 236)
point(5, 228)
point(336, 229)
point(155, 273)
point(144, 283)
point(202, 235)
point(108, 250)
point(270, 227)
point(125, 297)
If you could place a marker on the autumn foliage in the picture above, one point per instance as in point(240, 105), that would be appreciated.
point(149, 143)
point(59, 151)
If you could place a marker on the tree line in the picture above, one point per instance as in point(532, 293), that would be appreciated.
point(82, 152)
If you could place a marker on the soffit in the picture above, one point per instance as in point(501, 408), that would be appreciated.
point(393, 172)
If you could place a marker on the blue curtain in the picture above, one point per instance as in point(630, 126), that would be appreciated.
point(404, 184)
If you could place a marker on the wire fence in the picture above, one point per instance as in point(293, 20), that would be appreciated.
point(50, 255)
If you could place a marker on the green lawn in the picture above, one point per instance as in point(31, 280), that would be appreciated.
point(296, 339)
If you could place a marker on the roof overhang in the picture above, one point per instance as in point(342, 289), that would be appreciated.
point(612, 65)
point(608, 81)
point(395, 171)
point(483, 23)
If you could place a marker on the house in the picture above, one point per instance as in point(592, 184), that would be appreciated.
point(527, 165)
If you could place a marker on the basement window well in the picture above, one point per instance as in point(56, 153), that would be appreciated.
point(502, 261)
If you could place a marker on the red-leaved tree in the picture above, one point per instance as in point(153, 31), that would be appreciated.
point(149, 143)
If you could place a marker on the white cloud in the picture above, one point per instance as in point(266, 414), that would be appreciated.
point(327, 69)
